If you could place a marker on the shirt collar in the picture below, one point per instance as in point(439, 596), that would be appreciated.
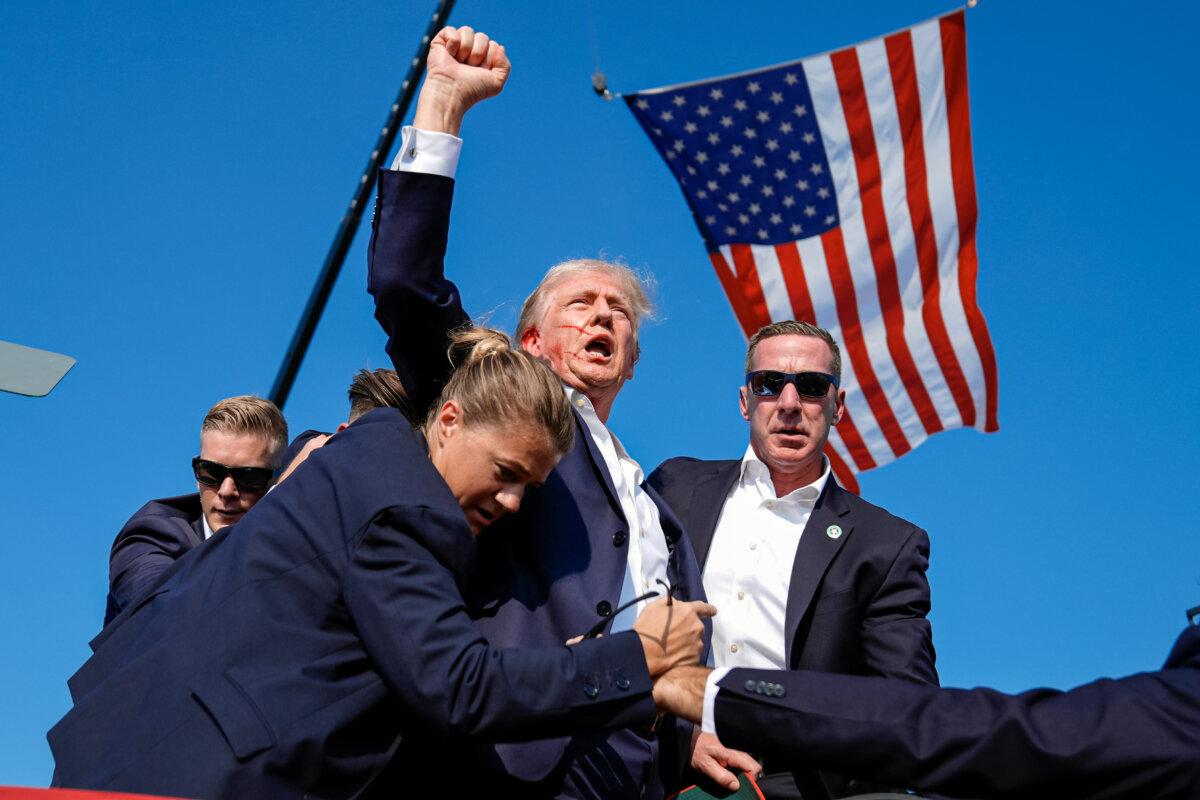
point(754, 471)
point(208, 532)
point(583, 405)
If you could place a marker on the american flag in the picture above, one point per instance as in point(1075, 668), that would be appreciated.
point(839, 190)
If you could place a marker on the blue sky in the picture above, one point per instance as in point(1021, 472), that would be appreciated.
point(171, 175)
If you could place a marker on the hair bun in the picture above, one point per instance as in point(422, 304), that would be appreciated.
point(471, 345)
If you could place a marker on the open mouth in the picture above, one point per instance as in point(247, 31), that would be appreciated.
point(485, 516)
point(599, 347)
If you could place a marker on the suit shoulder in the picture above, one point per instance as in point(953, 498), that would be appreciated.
point(684, 469)
point(881, 521)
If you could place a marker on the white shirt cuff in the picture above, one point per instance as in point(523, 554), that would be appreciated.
point(708, 721)
point(431, 152)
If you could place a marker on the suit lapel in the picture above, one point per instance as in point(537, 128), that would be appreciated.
point(708, 498)
point(196, 531)
point(814, 554)
point(599, 465)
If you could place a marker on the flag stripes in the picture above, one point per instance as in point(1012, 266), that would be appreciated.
point(883, 129)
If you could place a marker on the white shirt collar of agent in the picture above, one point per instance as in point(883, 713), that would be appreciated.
point(208, 531)
point(756, 477)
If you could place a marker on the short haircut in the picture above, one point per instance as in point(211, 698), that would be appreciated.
point(790, 327)
point(495, 383)
point(247, 414)
point(635, 288)
point(378, 389)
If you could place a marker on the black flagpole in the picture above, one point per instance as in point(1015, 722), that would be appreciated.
point(353, 216)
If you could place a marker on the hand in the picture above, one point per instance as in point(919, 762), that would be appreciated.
point(711, 758)
point(671, 633)
point(309, 446)
point(464, 67)
point(681, 692)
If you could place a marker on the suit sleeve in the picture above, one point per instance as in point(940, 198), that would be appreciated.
point(1134, 737)
point(897, 639)
point(415, 627)
point(414, 302)
point(143, 551)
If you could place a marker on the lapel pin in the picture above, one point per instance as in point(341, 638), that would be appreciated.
point(833, 531)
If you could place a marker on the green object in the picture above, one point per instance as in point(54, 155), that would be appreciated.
point(29, 371)
point(747, 790)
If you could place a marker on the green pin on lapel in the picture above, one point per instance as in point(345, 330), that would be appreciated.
point(833, 531)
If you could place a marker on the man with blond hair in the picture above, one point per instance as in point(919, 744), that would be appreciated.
point(593, 539)
point(241, 440)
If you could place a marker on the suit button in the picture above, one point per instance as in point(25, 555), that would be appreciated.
point(604, 608)
point(761, 688)
point(750, 684)
point(619, 538)
point(623, 684)
point(590, 690)
point(779, 690)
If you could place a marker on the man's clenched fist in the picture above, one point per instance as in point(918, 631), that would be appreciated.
point(465, 66)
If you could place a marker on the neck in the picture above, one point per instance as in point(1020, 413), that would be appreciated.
point(787, 480)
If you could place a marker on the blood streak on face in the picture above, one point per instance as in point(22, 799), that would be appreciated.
point(587, 337)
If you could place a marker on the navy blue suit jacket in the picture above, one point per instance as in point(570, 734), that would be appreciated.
point(149, 543)
point(288, 656)
point(1137, 738)
point(856, 604)
point(556, 567)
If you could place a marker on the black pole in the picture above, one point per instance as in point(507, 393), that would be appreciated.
point(353, 216)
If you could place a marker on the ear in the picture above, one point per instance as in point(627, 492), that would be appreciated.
point(744, 402)
point(342, 427)
point(637, 354)
point(531, 341)
point(839, 407)
point(449, 420)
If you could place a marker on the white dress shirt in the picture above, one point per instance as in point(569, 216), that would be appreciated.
point(749, 566)
point(647, 543)
point(208, 531)
point(432, 152)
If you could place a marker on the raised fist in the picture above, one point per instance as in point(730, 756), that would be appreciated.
point(465, 66)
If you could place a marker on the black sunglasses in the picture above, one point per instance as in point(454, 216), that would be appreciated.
point(247, 479)
point(770, 383)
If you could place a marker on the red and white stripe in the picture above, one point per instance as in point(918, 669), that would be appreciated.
point(895, 281)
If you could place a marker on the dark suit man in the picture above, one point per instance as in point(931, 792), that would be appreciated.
point(287, 656)
point(240, 442)
point(806, 575)
point(570, 556)
point(1136, 738)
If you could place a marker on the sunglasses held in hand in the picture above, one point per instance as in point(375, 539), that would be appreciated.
point(770, 383)
point(247, 479)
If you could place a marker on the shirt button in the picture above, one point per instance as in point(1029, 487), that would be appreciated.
point(741, 595)
point(619, 538)
point(604, 608)
point(733, 648)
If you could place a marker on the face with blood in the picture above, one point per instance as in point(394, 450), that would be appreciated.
point(587, 334)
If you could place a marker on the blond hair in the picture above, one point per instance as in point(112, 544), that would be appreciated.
point(496, 383)
point(378, 389)
point(250, 415)
point(791, 327)
point(635, 290)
